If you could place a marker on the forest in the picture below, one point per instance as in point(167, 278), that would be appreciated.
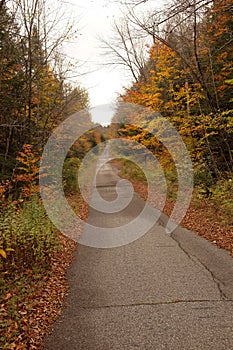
point(187, 77)
point(180, 58)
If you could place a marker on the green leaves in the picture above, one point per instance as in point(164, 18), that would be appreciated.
point(28, 238)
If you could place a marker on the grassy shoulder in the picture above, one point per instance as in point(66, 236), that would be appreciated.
point(209, 215)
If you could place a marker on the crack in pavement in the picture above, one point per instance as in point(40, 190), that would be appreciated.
point(194, 258)
point(157, 303)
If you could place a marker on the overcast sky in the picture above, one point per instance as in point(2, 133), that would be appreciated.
point(95, 18)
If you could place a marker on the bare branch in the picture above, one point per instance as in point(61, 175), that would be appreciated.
point(126, 49)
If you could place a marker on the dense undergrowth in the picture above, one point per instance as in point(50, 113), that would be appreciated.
point(28, 242)
point(28, 237)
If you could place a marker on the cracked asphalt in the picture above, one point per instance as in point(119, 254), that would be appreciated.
point(159, 292)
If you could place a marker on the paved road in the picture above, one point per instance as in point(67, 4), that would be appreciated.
point(159, 292)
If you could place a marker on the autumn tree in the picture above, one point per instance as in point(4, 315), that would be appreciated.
point(35, 96)
point(189, 74)
point(219, 42)
point(42, 82)
point(76, 99)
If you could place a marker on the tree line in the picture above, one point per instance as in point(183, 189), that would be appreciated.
point(181, 61)
point(34, 93)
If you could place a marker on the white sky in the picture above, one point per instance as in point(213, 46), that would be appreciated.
point(94, 19)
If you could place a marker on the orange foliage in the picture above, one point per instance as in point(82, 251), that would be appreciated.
point(27, 173)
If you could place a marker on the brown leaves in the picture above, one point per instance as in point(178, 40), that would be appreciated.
point(207, 223)
point(29, 317)
point(205, 220)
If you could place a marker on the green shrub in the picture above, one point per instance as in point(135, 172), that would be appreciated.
point(27, 238)
point(222, 194)
point(172, 183)
point(203, 180)
point(70, 175)
point(130, 170)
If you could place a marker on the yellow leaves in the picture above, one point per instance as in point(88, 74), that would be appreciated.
point(3, 253)
point(164, 74)
point(46, 100)
point(162, 91)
